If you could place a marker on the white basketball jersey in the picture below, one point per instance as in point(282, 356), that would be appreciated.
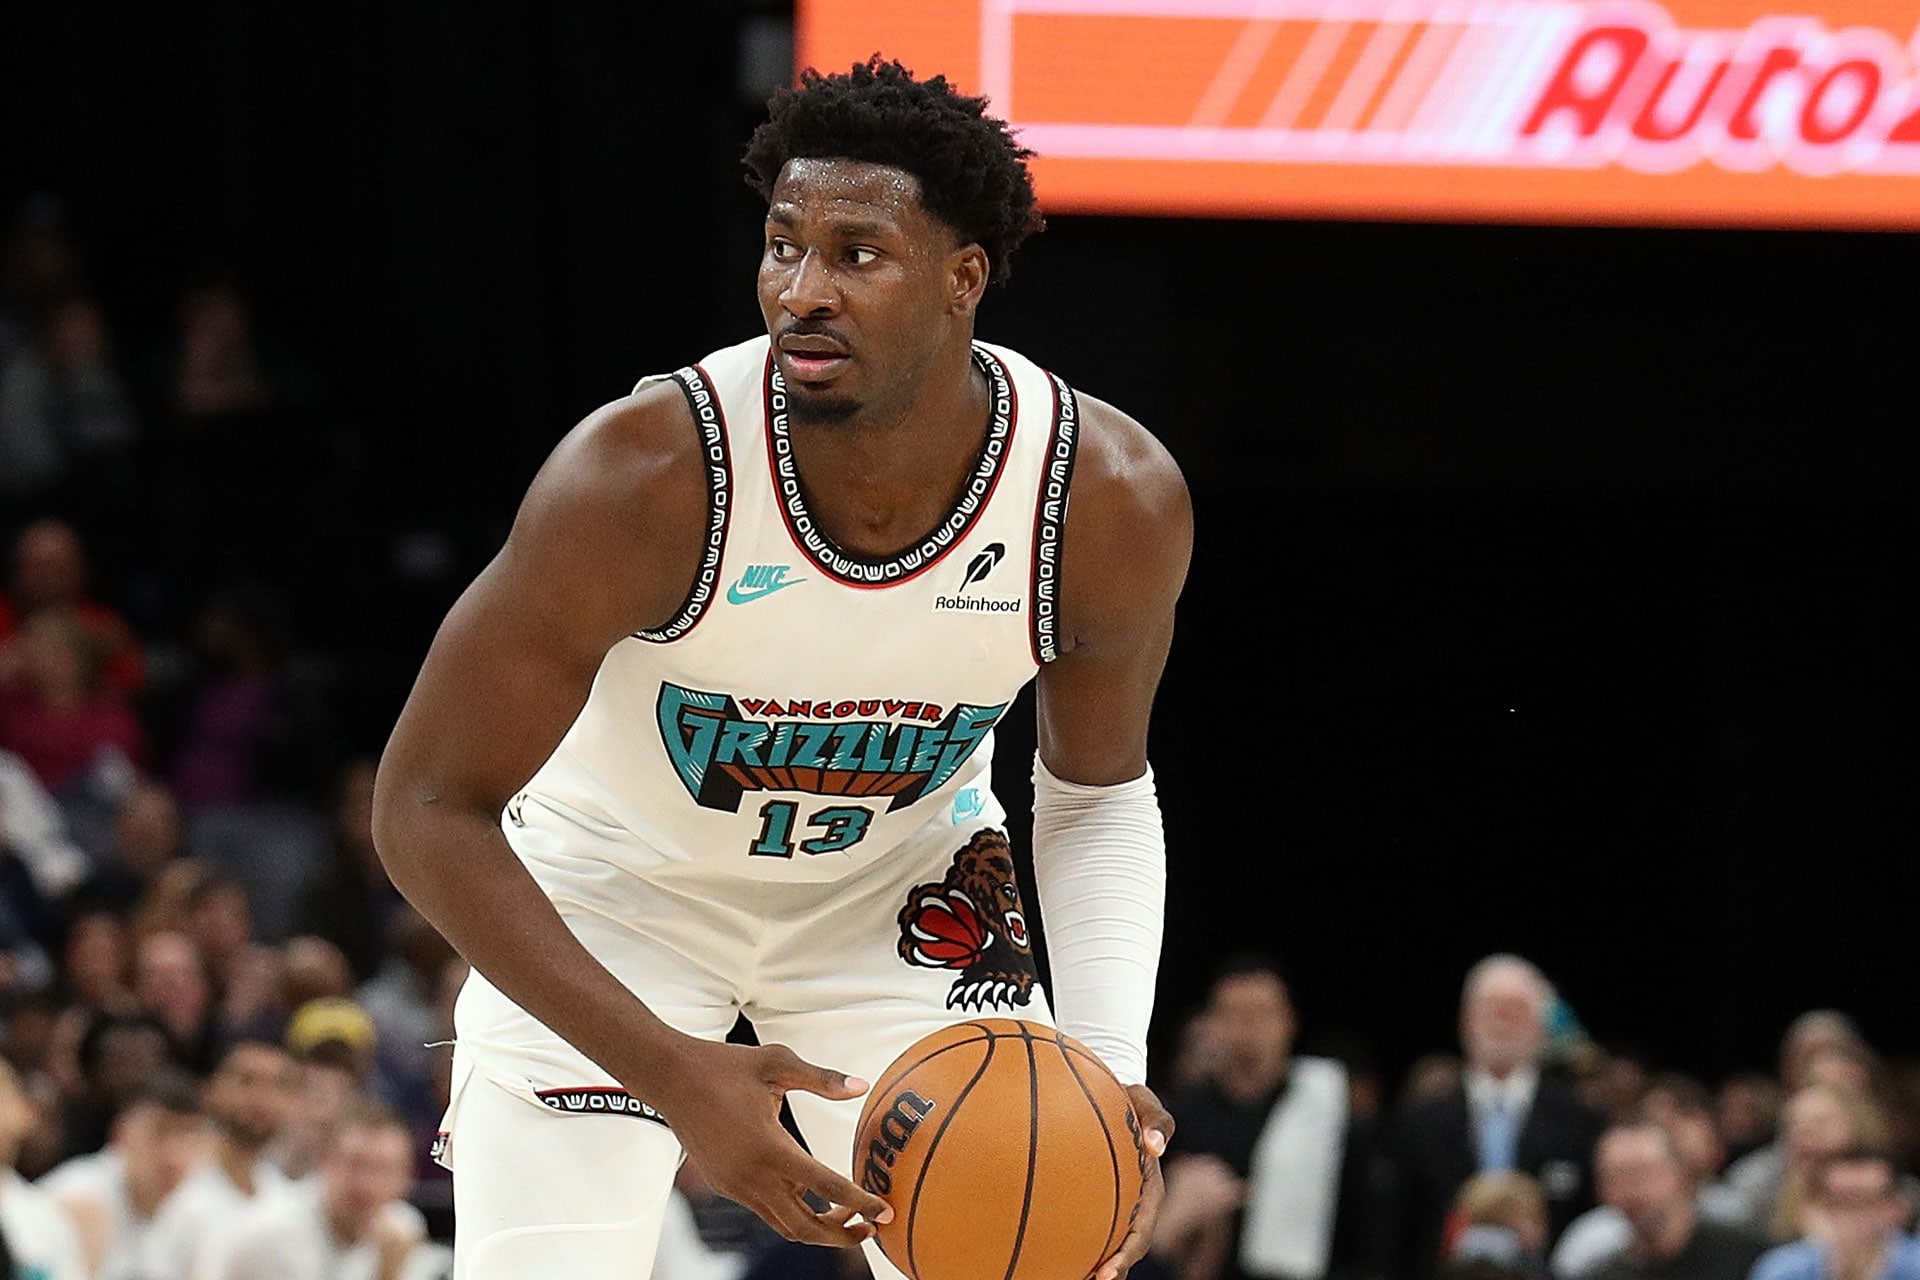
point(808, 708)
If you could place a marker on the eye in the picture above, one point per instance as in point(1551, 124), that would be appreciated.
point(781, 250)
point(861, 256)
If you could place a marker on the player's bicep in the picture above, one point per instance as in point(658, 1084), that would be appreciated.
point(1094, 704)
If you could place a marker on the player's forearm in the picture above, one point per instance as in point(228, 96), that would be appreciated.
point(459, 871)
point(1100, 866)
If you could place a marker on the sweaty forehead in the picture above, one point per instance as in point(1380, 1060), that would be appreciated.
point(842, 190)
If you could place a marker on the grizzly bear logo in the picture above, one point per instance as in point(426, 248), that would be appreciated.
point(971, 921)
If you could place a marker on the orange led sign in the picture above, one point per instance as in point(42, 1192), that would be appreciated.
point(1706, 112)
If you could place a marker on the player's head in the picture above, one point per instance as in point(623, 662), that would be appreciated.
point(892, 204)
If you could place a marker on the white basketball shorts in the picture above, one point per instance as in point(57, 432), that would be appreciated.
point(558, 1171)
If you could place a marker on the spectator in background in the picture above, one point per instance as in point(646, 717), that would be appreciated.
point(337, 1032)
point(1681, 1107)
point(1505, 1114)
point(1773, 1183)
point(163, 907)
point(57, 716)
point(117, 1055)
point(344, 1222)
point(332, 1041)
point(349, 901)
point(50, 574)
point(146, 837)
point(30, 1030)
point(1270, 1173)
point(217, 370)
point(95, 963)
point(39, 262)
point(170, 983)
point(315, 970)
point(217, 763)
point(24, 966)
point(1201, 1051)
point(1860, 1214)
point(1747, 1112)
point(402, 1002)
point(112, 1194)
point(248, 1098)
point(1615, 1081)
point(220, 924)
point(1432, 1075)
point(40, 1241)
point(252, 731)
point(1646, 1180)
point(1812, 1034)
point(33, 831)
point(1503, 1202)
point(64, 411)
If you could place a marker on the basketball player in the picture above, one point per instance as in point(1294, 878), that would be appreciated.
point(711, 734)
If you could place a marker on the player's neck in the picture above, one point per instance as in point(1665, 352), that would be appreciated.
point(879, 482)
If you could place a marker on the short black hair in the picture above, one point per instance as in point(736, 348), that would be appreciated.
point(973, 175)
point(1246, 964)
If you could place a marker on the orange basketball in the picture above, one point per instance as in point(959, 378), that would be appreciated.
point(1006, 1149)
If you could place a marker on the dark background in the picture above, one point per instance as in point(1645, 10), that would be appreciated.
point(1553, 586)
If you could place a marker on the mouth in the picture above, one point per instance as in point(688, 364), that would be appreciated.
point(1016, 928)
point(813, 357)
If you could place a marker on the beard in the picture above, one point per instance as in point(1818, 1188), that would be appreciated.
point(820, 410)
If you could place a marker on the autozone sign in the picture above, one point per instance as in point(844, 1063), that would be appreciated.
point(1683, 111)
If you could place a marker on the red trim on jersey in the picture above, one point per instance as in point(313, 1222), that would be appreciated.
point(799, 540)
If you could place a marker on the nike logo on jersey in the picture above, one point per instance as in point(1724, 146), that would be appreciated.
point(760, 580)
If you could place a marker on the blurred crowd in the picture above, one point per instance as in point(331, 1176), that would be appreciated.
point(1534, 1152)
point(224, 1036)
point(218, 1014)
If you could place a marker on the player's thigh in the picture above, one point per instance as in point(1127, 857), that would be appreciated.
point(539, 1192)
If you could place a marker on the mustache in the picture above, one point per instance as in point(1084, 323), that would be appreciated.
point(813, 329)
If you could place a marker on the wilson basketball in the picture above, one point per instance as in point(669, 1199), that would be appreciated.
point(1006, 1150)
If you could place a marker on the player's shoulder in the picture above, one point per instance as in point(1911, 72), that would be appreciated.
point(1128, 493)
point(651, 437)
point(632, 466)
point(1116, 451)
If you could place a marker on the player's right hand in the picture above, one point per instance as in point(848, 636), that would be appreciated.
point(723, 1101)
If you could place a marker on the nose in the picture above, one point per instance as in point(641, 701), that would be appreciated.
point(810, 289)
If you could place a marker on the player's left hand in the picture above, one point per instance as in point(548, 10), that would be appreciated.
point(1156, 1130)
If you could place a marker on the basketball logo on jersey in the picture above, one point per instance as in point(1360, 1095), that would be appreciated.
point(722, 746)
point(971, 921)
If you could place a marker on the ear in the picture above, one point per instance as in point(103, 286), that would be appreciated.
point(967, 274)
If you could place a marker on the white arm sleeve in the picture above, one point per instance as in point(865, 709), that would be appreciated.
point(1100, 864)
